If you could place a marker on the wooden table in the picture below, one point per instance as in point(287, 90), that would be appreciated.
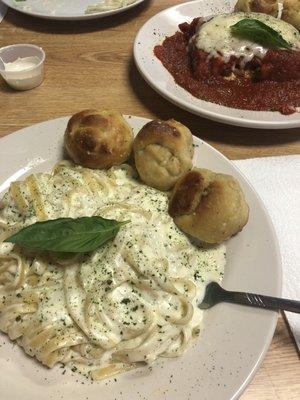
point(90, 65)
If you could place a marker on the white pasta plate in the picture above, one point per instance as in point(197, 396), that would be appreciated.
point(166, 24)
point(65, 10)
point(233, 339)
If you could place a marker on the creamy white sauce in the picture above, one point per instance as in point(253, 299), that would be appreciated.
point(24, 73)
point(21, 64)
point(108, 5)
point(132, 300)
point(215, 38)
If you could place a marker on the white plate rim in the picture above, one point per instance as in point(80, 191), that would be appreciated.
point(248, 120)
point(72, 17)
point(272, 317)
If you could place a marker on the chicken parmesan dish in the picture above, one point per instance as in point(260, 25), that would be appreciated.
point(247, 60)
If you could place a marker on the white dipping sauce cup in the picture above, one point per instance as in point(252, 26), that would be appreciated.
point(29, 78)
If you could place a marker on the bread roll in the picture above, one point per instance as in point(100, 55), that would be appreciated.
point(163, 152)
point(261, 6)
point(208, 206)
point(291, 12)
point(98, 139)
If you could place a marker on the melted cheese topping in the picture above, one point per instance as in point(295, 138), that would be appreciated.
point(214, 37)
point(130, 301)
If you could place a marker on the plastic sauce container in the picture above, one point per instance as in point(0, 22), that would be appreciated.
point(22, 65)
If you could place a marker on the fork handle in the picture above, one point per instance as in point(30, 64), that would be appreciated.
point(260, 301)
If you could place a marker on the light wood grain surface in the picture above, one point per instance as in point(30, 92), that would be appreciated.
point(89, 64)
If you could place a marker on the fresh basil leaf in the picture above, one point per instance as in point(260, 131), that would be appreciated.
point(67, 235)
point(258, 32)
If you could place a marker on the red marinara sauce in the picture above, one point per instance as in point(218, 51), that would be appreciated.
point(274, 84)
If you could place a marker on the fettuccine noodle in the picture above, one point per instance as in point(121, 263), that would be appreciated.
point(129, 302)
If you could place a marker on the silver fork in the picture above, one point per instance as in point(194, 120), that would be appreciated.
point(215, 294)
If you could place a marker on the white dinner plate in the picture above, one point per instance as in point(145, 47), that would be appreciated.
point(233, 339)
point(166, 24)
point(63, 9)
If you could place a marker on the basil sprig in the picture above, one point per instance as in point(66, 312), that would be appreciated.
point(256, 31)
point(67, 235)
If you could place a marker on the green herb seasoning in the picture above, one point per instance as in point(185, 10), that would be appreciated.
point(257, 31)
point(67, 235)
